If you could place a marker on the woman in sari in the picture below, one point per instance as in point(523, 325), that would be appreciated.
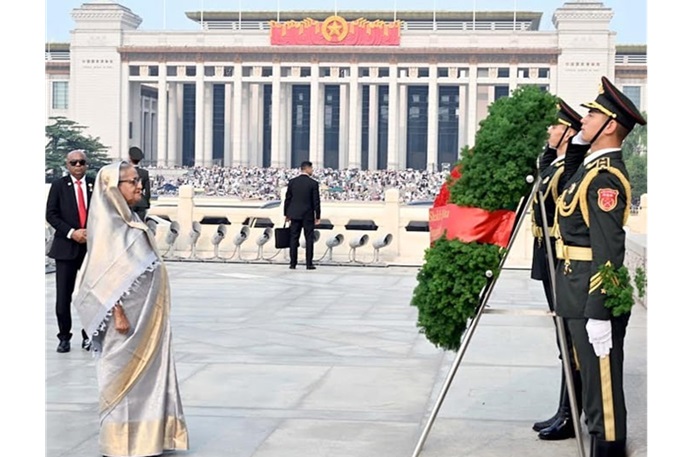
point(123, 300)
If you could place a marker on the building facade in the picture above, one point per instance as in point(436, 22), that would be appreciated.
point(369, 90)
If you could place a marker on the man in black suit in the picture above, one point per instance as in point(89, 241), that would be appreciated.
point(303, 210)
point(66, 212)
point(144, 203)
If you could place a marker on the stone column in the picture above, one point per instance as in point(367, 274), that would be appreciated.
point(244, 151)
point(401, 128)
point(373, 125)
point(254, 131)
point(472, 105)
point(237, 115)
point(173, 157)
point(227, 126)
point(315, 119)
point(124, 114)
point(432, 124)
point(462, 116)
point(283, 156)
point(355, 120)
point(343, 130)
point(199, 116)
point(208, 124)
point(393, 159)
point(277, 100)
point(162, 115)
point(136, 116)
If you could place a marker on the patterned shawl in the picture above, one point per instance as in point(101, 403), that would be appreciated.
point(119, 249)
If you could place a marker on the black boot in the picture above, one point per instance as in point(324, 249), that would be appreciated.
point(539, 426)
point(563, 427)
point(601, 448)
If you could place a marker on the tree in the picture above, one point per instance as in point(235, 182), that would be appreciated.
point(635, 157)
point(64, 136)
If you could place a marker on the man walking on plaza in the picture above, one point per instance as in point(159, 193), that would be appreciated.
point(303, 210)
point(592, 288)
point(66, 212)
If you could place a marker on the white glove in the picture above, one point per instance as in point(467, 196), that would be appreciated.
point(600, 337)
point(577, 139)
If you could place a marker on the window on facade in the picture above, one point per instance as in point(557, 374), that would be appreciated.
point(285, 72)
point(266, 71)
point(634, 94)
point(482, 72)
point(423, 72)
point(523, 73)
point(246, 71)
point(443, 72)
point(134, 70)
point(500, 91)
point(209, 71)
point(227, 71)
point(384, 72)
point(305, 72)
point(543, 73)
point(463, 72)
point(153, 70)
point(363, 72)
point(190, 70)
point(324, 72)
point(60, 94)
point(504, 72)
point(344, 72)
point(403, 72)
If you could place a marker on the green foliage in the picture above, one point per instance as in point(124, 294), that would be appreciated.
point(505, 150)
point(64, 136)
point(635, 156)
point(493, 177)
point(641, 281)
point(450, 282)
point(615, 283)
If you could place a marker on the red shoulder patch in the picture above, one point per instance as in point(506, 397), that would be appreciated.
point(608, 199)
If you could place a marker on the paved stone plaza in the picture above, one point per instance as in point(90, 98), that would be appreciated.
point(328, 363)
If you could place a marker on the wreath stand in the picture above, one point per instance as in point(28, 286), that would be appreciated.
point(484, 296)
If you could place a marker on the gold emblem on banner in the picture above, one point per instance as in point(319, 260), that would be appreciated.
point(334, 28)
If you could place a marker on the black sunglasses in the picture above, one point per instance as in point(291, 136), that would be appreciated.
point(74, 163)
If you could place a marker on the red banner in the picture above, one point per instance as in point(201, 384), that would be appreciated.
point(471, 224)
point(335, 30)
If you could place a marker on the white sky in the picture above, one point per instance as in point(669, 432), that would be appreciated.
point(629, 20)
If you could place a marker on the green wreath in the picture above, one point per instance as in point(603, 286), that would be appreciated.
point(507, 145)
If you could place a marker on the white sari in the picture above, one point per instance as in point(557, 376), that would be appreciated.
point(140, 408)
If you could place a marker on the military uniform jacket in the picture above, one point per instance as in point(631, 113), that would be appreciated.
point(550, 171)
point(591, 213)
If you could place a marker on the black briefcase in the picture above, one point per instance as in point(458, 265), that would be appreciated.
point(282, 237)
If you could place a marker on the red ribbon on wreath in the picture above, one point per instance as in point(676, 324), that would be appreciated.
point(465, 223)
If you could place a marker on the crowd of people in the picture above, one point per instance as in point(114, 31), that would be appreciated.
point(265, 183)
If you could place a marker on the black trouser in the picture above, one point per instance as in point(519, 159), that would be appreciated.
point(65, 278)
point(296, 226)
point(602, 381)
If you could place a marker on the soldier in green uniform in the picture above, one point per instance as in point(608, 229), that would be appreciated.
point(591, 282)
point(551, 168)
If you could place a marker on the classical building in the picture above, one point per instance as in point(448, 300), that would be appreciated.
point(374, 89)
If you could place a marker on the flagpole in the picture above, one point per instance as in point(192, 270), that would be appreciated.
point(278, 12)
point(395, 10)
point(202, 15)
point(434, 18)
point(514, 15)
point(239, 15)
point(474, 14)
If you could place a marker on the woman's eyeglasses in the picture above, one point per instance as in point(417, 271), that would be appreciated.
point(74, 163)
point(133, 181)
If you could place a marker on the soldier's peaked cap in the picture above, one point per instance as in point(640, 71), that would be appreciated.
point(568, 116)
point(135, 153)
point(615, 104)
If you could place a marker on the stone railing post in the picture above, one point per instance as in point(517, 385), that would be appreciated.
point(185, 216)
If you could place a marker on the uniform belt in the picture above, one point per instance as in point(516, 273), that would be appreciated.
point(538, 232)
point(569, 253)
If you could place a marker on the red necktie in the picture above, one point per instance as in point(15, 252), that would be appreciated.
point(82, 206)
